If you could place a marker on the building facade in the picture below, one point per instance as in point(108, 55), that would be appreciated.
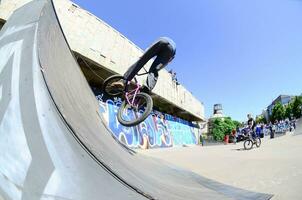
point(102, 51)
point(109, 52)
point(283, 99)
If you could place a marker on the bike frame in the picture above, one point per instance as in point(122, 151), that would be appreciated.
point(133, 93)
point(250, 134)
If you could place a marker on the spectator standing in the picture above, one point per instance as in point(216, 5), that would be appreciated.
point(202, 140)
point(258, 130)
point(262, 130)
point(294, 124)
point(234, 136)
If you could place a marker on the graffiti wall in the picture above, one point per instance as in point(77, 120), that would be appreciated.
point(158, 130)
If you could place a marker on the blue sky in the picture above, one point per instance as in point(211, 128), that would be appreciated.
point(242, 54)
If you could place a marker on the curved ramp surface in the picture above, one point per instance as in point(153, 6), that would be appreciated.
point(53, 141)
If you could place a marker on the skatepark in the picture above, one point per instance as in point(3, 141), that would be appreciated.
point(273, 168)
point(57, 144)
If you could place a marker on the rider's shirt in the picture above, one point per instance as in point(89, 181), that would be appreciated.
point(251, 123)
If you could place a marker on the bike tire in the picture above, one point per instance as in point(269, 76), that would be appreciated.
point(142, 117)
point(248, 144)
point(258, 142)
point(106, 83)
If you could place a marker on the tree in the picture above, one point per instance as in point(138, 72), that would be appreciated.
point(222, 127)
point(229, 125)
point(260, 119)
point(218, 129)
point(237, 123)
point(289, 110)
point(278, 112)
point(296, 107)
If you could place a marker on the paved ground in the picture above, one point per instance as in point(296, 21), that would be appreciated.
point(275, 167)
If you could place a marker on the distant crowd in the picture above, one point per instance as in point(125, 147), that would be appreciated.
point(281, 126)
point(262, 129)
point(173, 76)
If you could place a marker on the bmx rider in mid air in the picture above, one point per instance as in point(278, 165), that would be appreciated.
point(164, 50)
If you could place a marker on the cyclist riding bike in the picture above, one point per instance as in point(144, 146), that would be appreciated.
point(251, 138)
point(251, 124)
point(137, 103)
point(164, 50)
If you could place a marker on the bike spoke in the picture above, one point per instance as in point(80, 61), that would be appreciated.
point(138, 106)
point(142, 105)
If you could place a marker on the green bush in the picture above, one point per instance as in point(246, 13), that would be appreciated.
point(278, 112)
point(260, 119)
point(237, 123)
point(296, 107)
point(288, 110)
point(222, 127)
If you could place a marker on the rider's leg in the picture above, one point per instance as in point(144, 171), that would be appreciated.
point(158, 63)
point(153, 50)
point(150, 82)
point(163, 58)
point(138, 65)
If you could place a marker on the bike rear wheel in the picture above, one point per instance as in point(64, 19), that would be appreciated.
point(258, 142)
point(108, 87)
point(248, 144)
point(131, 115)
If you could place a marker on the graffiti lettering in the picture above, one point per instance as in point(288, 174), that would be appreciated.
point(158, 130)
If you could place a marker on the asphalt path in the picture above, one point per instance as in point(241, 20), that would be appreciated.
point(274, 168)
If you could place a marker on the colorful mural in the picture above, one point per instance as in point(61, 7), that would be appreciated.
point(158, 130)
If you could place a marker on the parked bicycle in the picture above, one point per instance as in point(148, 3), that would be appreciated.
point(251, 140)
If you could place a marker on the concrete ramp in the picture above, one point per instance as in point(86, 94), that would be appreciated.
point(54, 143)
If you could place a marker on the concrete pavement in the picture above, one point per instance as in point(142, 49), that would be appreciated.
point(275, 167)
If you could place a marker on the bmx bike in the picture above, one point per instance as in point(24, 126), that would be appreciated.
point(251, 140)
point(136, 105)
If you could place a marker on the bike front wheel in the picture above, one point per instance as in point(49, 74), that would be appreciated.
point(248, 144)
point(132, 115)
point(258, 142)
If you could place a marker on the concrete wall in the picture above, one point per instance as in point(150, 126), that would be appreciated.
point(96, 40)
point(103, 44)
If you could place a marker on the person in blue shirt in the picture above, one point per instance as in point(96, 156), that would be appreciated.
point(258, 130)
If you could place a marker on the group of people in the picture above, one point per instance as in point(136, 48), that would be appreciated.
point(174, 77)
point(282, 126)
point(262, 129)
